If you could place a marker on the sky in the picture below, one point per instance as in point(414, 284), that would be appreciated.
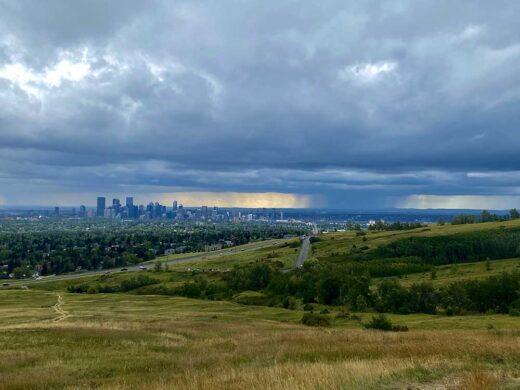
point(342, 104)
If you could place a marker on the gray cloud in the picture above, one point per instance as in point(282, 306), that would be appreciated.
point(364, 104)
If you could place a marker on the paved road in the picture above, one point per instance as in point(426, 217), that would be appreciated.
point(304, 251)
point(136, 268)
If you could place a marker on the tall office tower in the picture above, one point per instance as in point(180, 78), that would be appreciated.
point(82, 211)
point(204, 212)
point(101, 200)
point(149, 210)
point(116, 205)
point(174, 205)
point(157, 210)
point(130, 207)
point(56, 211)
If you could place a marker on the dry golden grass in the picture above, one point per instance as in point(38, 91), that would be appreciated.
point(127, 342)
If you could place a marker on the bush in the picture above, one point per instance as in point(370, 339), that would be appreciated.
point(78, 289)
point(136, 282)
point(380, 322)
point(289, 303)
point(308, 307)
point(399, 328)
point(311, 319)
point(514, 312)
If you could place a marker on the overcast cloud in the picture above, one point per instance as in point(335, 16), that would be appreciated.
point(362, 104)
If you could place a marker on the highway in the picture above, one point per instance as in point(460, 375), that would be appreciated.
point(135, 268)
point(304, 252)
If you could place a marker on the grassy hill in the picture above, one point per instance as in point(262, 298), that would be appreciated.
point(129, 341)
point(144, 335)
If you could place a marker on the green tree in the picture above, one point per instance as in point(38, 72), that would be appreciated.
point(361, 303)
point(329, 290)
point(21, 272)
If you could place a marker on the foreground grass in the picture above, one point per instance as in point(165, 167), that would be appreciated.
point(129, 341)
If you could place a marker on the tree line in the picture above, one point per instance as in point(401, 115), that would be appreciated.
point(337, 285)
point(50, 248)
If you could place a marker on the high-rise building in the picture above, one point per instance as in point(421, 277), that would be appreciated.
point(174, 205)
point(130, 207)
point(101, 202)
point(82, 211)
point(56, 211)
point(157, 210)
point(116, 205)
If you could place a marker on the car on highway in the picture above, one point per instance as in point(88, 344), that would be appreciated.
point(124, 269)
point(5, 284)
point(142, 268)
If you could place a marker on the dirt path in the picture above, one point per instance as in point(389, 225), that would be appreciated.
point(62, 314)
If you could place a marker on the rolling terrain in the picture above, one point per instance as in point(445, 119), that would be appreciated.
point(146, 338)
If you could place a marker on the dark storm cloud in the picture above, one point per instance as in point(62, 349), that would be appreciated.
point(365, 103)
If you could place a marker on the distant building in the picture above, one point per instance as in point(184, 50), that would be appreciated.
point(174, 205)
point(82, 211)
point(57, 211)
point(101, 203)
point(109, 213)
point(116, 205)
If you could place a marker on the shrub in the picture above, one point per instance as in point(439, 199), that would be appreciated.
point(308, 307)
point(399, 328)
point(311, 319)
point(514, 312)
point(361, 303)
point(380, 322)
point(79, 289)
point(92, 290)
point(136, 282)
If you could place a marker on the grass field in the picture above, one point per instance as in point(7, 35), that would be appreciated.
point(341, 243)
point(129, 341)
point(249, 253)
point(451, 273)
point(53, 339)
